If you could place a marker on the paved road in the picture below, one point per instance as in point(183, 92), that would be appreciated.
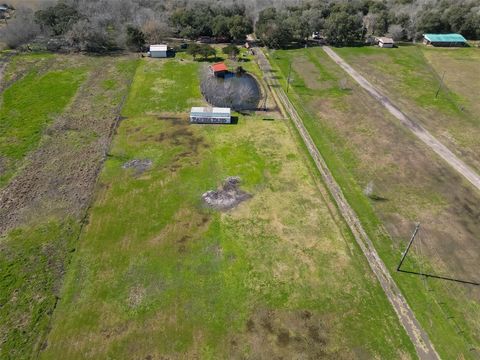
point(418, 336)
point(418, 130)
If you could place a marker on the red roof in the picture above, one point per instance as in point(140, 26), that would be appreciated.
point(219, 67)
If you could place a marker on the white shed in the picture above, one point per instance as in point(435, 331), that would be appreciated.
point(158, 51)
point(205, 115)
point(385, 42)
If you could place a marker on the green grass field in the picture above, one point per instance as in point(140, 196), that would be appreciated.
point(361, 143)
point(28, 106)
point(35, 252)
point(157, 274)
point(411, 77)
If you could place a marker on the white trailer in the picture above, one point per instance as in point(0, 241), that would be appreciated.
point(205, 115)
point(158, 51)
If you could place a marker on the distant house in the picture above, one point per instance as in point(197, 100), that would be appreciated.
point(385, 42)
point(444, 40)
point(158, 51)
point(205, 115)
point(219, 69)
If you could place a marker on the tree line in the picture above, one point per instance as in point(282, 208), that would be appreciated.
point(346, 23)
point(106, 25)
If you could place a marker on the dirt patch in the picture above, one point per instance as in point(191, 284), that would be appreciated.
point(136, 296)
point(227, 196)
point(139, 165)
point(275, 334)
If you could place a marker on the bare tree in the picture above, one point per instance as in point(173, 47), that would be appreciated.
point(396, 32)
point(21, 29)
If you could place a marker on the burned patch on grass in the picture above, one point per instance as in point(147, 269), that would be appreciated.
point(138, 165)
point(228, 196)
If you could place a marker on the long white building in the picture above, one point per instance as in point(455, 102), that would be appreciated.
point(206, 115)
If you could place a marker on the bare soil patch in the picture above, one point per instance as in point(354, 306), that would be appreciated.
point(228, 196)
point(138, 165)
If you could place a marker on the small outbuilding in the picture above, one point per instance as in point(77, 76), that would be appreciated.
point(206, 115)
point(158, 51)
point(385, 42)
point(448, 40)
point(219, 69)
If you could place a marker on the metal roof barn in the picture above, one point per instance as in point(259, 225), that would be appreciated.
point(444, 39)
point(206, 115)
point(219, 69)
point(158, 51)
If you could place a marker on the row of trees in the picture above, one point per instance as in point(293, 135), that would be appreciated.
point(104, 25)
point(208, 19)
point(345, 23)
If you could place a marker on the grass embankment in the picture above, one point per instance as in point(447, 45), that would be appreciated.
point(34, 255)
point(407, 76)
point(361, 143)
point(158, 274)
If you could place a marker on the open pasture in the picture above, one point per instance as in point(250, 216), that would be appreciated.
point(412, 77)
point(158, 274)
point(369, 153)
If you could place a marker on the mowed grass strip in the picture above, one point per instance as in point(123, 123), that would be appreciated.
point(158, 274)
point(27, 107)
point(359, 143)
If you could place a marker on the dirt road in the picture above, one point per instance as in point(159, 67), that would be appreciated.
point(418, 130)
point(418, 336)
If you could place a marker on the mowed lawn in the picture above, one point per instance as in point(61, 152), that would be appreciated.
point(411, 77)
point(30, 104)
point(365, 148)
point(157, 274)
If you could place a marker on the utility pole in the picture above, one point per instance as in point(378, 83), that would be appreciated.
point(289, 73)
point(417, 226)
point(441, 84)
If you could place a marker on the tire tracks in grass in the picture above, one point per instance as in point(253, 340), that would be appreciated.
point(419, 131)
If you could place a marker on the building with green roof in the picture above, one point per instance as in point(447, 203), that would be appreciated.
point(444, 40)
